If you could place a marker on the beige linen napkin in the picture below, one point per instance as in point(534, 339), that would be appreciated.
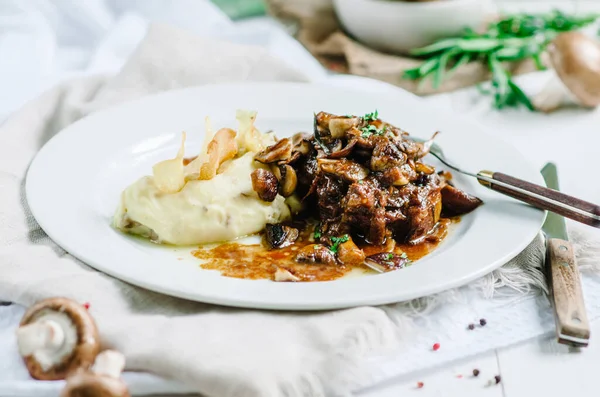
point(217, 351)
point(315, 25)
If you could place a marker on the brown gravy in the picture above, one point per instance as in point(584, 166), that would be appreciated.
point(258, 262)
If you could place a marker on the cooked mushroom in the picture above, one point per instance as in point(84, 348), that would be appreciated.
point(322, 119)
point(387, 260)
point(104, 379)
point(316, 253)
point(279, 236)
point(282, 274)
point(265, 184)
point(345, 169)
point(57, 336)
point(345, 151)
point(338, 126)
point(457, 202)
point(576, 61)
point(280, 151)
point(349, 254)
point(286, 176)
point(301, 142)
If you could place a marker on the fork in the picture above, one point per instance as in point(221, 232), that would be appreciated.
point(535, 195)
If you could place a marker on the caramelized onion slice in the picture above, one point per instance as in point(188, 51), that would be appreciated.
point(222, 148)
point(169, 176)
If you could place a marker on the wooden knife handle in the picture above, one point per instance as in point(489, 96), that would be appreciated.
point(560, 203)
point(572, 326)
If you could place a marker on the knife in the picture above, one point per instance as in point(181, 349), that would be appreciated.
point(572, 326)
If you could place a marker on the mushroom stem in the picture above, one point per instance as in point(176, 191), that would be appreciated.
point(553, 96)
point(109, 363)
point(47, 335)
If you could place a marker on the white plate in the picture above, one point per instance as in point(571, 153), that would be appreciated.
point(74, 183)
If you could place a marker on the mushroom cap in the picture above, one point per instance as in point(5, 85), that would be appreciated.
point(88, 341)
point(88, 384)
point(576, 59)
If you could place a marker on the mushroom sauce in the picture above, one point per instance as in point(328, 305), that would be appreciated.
point(259, 261)
point(366, 200)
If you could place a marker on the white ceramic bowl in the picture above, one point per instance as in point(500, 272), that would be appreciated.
point(397, 26)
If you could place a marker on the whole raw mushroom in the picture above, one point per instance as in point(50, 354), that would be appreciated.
point(56, 337)
point(104, 379)
point(576, 61)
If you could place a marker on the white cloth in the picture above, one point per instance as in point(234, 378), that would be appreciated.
point(510, 321)
point(43, 42)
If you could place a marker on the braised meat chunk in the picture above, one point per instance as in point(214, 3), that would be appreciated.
point(365, 182)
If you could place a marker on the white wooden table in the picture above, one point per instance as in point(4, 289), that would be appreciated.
point(540, 367)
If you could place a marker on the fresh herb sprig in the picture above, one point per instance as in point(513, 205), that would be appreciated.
point(514, 38)
point(371, 116)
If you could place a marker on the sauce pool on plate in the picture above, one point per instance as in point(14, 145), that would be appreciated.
point(257, 261)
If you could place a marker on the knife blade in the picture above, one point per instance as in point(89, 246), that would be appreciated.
point(572, 326)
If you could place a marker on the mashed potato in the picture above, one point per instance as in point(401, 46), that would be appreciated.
point(175, 206)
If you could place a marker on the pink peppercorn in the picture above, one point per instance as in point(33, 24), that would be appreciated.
point(436, 347)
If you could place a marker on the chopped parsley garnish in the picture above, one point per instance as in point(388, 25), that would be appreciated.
point(317, 233)
point(368, 131)
point(404, 256)
point(372, 130)
point(337, 241)
point(361, 182)
point(389, 257)
point(371, 116)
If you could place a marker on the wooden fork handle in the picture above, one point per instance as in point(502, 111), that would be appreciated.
point(542, 197)
point(572, 325)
